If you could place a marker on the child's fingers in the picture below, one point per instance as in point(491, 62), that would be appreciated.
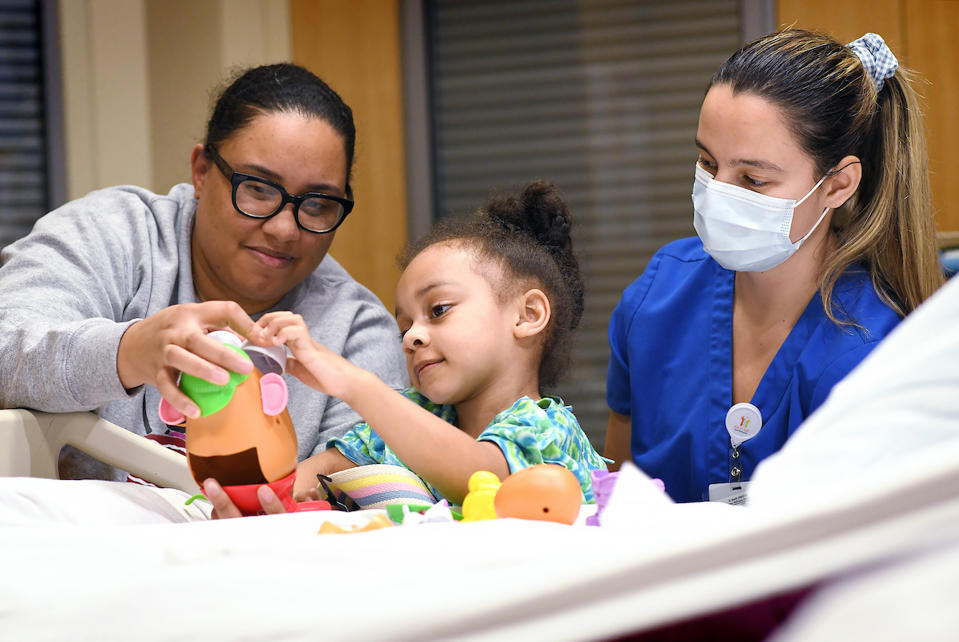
point(264, 322)
point(272, 324)
point(298, 339)
point(308, 495)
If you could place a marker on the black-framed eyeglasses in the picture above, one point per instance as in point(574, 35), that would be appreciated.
point(260, 198)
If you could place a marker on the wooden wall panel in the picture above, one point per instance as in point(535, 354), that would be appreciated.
point(846, 20)
point(355, 47)
point(922, 34)
point(932, 41)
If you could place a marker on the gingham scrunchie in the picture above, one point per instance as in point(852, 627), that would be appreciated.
point(876, 57)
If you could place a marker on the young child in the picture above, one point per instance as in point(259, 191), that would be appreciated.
point(486, 306)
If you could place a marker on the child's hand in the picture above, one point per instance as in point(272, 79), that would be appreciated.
point(310, 362)
point(327, 462)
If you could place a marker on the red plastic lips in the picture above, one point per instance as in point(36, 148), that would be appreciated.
point(244, 497)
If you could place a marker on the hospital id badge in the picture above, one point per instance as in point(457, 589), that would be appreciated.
point(733, 493)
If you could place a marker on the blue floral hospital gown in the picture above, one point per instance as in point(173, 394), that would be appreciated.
point(528, 432)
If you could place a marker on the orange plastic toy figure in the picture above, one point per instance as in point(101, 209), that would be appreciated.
point(547, 492)
point(244, 437)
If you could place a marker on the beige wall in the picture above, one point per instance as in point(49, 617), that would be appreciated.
point(106, 104)
point(138, 76)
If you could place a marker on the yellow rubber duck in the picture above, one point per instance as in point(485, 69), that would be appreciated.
point(478, 503)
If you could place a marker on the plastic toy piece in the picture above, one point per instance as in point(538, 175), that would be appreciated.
point(438, 513)
point(399, 513)
point(244, 437)
point(603, 483)
point(274, 393)
point(376, 522)
point(244, 497)
point(479, 501)
point(546, 492)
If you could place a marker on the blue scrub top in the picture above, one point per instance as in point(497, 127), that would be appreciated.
point(670, 366)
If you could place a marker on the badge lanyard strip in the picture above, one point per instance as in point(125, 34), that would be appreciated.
point(735, 466)
point(743, 422)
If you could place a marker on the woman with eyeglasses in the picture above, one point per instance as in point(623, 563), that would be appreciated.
point(112, 296)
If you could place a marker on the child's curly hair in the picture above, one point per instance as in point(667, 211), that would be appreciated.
point(529, 237)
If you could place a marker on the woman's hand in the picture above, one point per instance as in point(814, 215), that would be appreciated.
point(224, 508)
point(156, 349)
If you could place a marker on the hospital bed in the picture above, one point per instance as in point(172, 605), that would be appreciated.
point(677, 570)
point(30, 444)
point(851, 532)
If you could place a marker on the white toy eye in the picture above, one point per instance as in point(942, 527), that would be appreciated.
point(227, 337)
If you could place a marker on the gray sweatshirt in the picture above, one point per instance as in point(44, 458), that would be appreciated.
point(89, 269)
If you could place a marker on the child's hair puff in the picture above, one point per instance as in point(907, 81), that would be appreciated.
point(528, 236)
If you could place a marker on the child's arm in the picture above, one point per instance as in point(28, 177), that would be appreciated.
point(327, 462)
point(438, 452)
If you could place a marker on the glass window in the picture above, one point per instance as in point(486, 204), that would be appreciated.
point(601, 98)
point(30, 169)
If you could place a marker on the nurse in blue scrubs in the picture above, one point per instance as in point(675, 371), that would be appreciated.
point(815, 237)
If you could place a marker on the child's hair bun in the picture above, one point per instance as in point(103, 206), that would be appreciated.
point(539, 211)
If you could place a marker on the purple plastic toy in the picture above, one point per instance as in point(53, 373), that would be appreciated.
point(603, 483)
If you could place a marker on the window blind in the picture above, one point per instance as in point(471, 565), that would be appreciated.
point(600, 97)
point(23, 170)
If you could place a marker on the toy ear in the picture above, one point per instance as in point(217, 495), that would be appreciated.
point(170, 415)
point(274, 393)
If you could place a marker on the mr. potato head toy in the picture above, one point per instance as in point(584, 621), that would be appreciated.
point(244, 437)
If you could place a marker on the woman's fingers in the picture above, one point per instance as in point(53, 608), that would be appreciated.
point(223, 506)
point(207, 358)
point(236, 319)
point(269, 501)
point(167, 385)
point(177, 338)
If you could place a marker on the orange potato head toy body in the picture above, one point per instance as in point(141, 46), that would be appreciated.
point(244, 437)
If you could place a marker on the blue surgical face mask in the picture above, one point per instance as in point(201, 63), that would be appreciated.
point(743, 230)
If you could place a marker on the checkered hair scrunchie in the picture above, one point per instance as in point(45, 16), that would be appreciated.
point(876, 57)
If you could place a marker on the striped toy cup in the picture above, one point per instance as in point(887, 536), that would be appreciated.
point(381, 485)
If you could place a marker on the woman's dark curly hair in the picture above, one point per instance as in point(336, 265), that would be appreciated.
point(282, 87)
point(529, 237)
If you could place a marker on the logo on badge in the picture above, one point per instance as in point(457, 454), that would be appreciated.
point(743, 421)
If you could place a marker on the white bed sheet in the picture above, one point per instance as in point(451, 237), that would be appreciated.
point(274, 577)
